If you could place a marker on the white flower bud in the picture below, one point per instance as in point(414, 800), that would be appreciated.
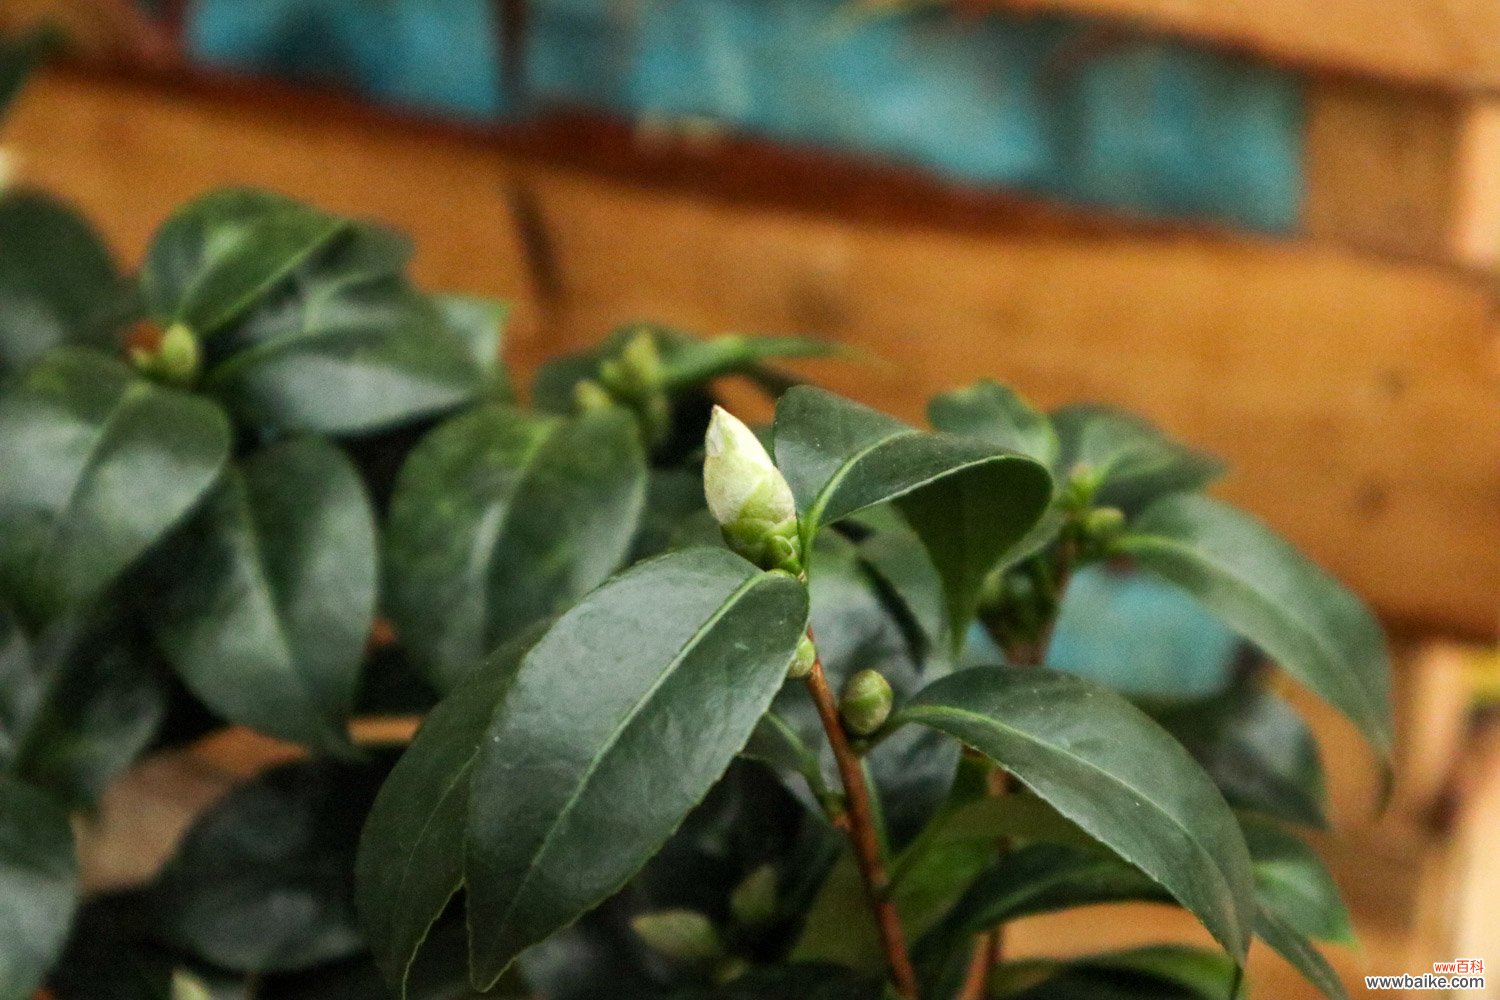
point(749, 497)
point(739, 478)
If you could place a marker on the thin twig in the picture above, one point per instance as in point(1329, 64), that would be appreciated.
point(863, 836)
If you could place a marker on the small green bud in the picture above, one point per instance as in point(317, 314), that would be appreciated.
point(642, 360)
point(1104, 523)
point(753, 901)
point(866, 702)
point(748, 496)
point(176, 359)
point(802, 663)
point(1082, 484)
point(186, 986)
point(682, 935)
point(590, 397)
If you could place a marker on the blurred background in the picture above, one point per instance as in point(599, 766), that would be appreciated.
point(1274, 228)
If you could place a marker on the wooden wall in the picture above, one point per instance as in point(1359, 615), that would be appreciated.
point(1353, 390)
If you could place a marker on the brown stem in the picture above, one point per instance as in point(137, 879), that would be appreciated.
point(987, 949)
point(862, 835)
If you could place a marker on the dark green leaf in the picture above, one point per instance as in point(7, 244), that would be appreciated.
point(99, 465)
point(1035, 879)
point(216, 257)
point(1159, 972)
point(1274, 597)
point(272, 591)
point(1258, 750)
point(38, 882)
point(801, 981)
point(264, 881)
point(1107, 767)
point(344, 345)
point(900, 563)
point(687, 362)
point(995, 413)
point(500, 519)
point(410, 861)
point(1134, 460)
point(968, 501)
point(77, 706)
point(1292, 883)
point(673, 496)
point(481, 322)
point(563, 776)
point(576, 787)
point(1293, 946)
point(58, 283)
point(18, 58)
point(1045, 878)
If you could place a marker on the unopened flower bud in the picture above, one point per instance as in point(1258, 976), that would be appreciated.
point(590, 397)
point(802, 663)
point(748, 496)
point(682, 935)
point(866, 702)
point(174, 359)
point(753, 901)
point(642, 360)
point(1104, 523)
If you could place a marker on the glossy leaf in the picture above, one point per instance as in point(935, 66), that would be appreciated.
point(38, 882)
point(264, 881)
point(1292, 883)
point(58, 283)
point(411, 855)
point(1300, 616)
point(1158, 972)
point(563, 775)
point(1045, 878)
point(967, 500)
point(798, 981)
point(1293, 946)
point(78, 705)
point(272, 593)
point(574, 789)
point(1135, 461)
point(219, 255)
point(501, 519)
point(343, 344)
point(481, 324)
point(995, 413)
point(1034, 879)
point(18, 57)
point(99, 465)
point(1258, 750)
point(1104, 765)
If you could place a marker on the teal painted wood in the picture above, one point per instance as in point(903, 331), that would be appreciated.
point(1035, 104)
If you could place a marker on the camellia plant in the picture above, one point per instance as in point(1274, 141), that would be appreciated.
point(706, 712)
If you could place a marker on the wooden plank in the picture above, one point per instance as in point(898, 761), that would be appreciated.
point(1453, 44)
point(129, 154)
point(1352, 396)
point(1382, 167)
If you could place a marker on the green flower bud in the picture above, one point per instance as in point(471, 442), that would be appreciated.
point(176, 359)
point(748, 495)
point(642, 360)
point(802, 663)
point(682, 935)
point(753, 901)
point(186, 986)
point(1104, 523)
point(866, 702)
point(590, 397)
